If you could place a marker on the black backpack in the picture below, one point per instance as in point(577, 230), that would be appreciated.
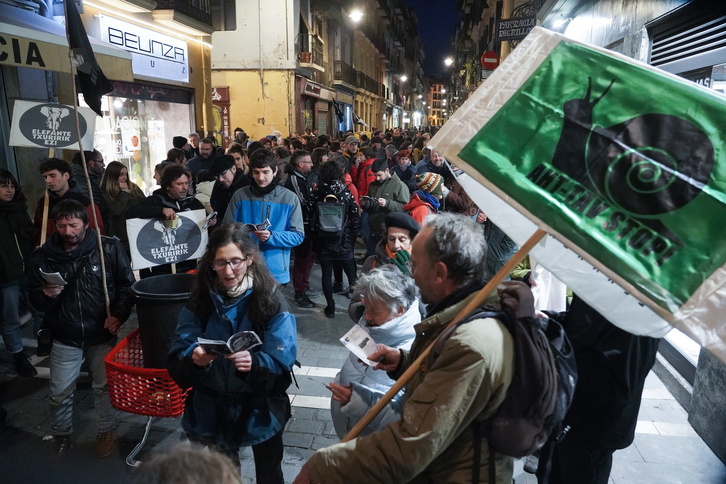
point(329, 217)
point(540, 393)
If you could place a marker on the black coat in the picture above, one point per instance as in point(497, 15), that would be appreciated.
point(77, 316)
point(336, 247)
point(612, 365)
point(16, 240)
point(221, 195)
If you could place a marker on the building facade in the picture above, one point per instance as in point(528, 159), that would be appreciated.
point(157, 57)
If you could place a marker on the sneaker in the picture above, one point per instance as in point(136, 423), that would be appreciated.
point(337, 287)
point(330, 311)
point(531, 463)
point(303, 301)
point(23, 366)
point(62, 444)
point(105, 443)
point(351, 290)
point(312, 294)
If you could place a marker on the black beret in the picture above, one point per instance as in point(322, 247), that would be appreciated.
point(403, 221)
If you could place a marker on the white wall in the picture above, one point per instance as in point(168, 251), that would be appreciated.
point(264, 38)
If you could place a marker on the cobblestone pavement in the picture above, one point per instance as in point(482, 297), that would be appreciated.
point(666, 449)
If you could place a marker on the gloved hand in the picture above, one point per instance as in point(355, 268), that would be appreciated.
point(517, 297)
point(402, 261)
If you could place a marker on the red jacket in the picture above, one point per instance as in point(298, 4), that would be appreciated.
point(363, 176)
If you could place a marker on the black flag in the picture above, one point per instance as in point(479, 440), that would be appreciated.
point(90, 77)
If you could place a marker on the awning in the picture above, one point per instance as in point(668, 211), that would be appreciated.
point(30, 40)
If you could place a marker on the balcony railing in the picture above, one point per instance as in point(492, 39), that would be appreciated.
point(200, 10)
point(369, 84)
point(345, 73)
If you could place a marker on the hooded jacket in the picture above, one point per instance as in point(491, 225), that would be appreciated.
point(433, 441)
point(370, 385)
point(76, 317)
point(282, 208)
point(227, 407)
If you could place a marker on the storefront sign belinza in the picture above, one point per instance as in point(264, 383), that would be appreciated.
point(152, 54)
point(47, 125)
point(515, 28)
point(156, 242)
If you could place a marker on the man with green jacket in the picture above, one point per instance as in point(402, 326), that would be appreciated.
point(434, 440)
point(386, 194)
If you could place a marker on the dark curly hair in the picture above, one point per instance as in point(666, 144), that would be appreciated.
point(263, 304)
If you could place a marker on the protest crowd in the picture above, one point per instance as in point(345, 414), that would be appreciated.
point(391, 229)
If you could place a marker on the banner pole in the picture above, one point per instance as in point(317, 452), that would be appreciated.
point(46, 205)
point(85, 169)
point(476, 302)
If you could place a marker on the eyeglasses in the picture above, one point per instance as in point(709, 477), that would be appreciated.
point(8, 185)
point(221, 175)
point(220, 264)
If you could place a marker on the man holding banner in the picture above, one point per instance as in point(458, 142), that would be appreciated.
point(434, 441)
point(163, 205)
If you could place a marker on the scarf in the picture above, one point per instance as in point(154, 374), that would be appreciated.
point(428, 198)
point(262, 191)
point(392, 255)
point(244, 285)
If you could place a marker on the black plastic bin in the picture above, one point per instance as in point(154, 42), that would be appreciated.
point(159, 299)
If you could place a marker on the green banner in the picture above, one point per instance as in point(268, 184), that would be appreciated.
point(623, 162)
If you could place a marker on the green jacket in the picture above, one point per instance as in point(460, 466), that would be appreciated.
point(434, 442)
point(397, 195)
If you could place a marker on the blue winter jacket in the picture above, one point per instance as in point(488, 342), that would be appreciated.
point(227, 407)
point(282, 208)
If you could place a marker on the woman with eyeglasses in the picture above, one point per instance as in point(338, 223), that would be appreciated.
point(16, 243)
point(238, 399)
point(119, 193)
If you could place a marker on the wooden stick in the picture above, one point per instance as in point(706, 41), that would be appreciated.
point(476, 302)
point(85, 172)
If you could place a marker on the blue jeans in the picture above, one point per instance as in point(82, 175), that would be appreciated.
point(65, 367)
point(11, 327)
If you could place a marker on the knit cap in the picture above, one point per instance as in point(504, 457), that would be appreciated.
point(430, 183)
point(352, 139)
point(179, 142)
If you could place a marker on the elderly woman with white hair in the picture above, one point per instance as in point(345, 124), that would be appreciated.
point(391, 305)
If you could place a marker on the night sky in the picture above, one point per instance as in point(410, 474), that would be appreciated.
point(437, 20)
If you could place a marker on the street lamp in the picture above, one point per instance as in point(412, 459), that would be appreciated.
point(448, 61)
point(404, 78)
point(355, 15)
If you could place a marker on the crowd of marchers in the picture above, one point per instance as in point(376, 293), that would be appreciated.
point(390, 227)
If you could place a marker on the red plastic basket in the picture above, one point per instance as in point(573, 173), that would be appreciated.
point(143, 391)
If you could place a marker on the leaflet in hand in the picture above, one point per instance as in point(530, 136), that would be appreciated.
point(360, 344)
point(53, 278)
point(263, 226)
point(244, 340)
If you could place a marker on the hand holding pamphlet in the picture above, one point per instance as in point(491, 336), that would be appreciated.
point(258, 227)
point(53, 278)
point(244, 340)
point(360, 344)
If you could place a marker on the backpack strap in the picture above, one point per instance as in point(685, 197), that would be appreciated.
point(480, 428)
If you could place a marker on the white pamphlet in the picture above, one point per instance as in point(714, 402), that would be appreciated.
point(53, 278)
point(360, 344)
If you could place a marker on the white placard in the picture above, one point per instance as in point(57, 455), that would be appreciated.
point(155, 242)
point(49, 125)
